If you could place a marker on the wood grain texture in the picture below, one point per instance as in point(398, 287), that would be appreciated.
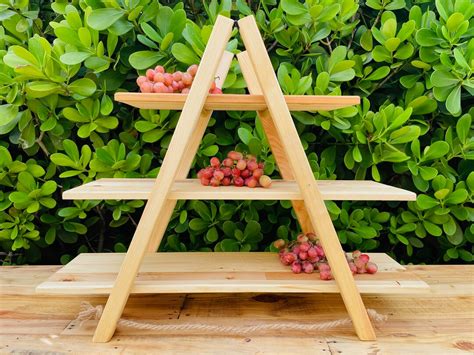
point(217, 272)
point(273, 140)
point(314, 202)
point(186, 161)
point(235, 102)
point(140, 189)
point(439, 322)
point(155, 206)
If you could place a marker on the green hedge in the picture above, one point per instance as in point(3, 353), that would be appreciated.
point(61, 62)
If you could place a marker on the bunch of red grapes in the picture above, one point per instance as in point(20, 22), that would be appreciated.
point(157, 80)
point(237, 170)
point(307, 255)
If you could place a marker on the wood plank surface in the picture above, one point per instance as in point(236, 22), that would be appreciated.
point(191, 189)
point(150, 222)
point(235, 102)
point(217, 272)
point(440, 322)
point(314, 203)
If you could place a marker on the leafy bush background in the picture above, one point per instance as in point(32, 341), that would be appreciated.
point(412, 62)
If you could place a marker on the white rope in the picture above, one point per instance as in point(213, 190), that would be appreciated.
point(89, 312)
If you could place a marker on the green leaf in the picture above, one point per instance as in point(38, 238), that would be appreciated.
point(48, 187)
point(381, 54)
point(198, 225)
point(427, 38)
point(293, 7)
point(405, 134)
point(435, 151)
point(428, 172)
point(457, 197)
point(144, 59)
point(102, 19)
point(184, 54)
point(454, 21)
point(462, 127)
point(426, 202)
point(8, 113)
point(379, 73)
point(366, 41)
point(73, 58)
point(212, 235)
point(83, 87)
point(245, 135)
point(443, 78)
point(39, 89)
point(153, 135)
point(457, 237)
point(453, 102)
point(432, 228)
point(210, 151)
point(252, 229)
point(255, 146)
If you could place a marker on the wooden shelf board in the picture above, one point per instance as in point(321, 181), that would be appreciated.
point(191, 189)
point(235, 102)
point(217, 272)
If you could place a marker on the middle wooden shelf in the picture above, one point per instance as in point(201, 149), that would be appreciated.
point(191, 189)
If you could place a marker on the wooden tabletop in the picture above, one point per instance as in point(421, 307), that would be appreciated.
point(438, 322)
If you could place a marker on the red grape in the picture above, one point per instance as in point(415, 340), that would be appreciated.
point(215, 182)
point(228, 162)
point(238, 181)
point(150, 73)
point(187, 79)
point(192, 70)
point(226, 181)
point(245, 173)
point(141, 80)
point(235, 155)
point(215, 162)
point(241, 164)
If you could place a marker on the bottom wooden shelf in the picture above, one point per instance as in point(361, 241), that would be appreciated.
point(217, 272)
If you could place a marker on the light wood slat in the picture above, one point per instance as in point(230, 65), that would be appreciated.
point(235, 102)
point(314, 202)
point(217, 272)
point(191, 189)
point(96, 263)
point(157, 204)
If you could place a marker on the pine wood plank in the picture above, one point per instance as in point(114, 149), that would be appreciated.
point(439, 322)
point(314, 202)
point(191, 189)
point(217, 272)
point(235, 102)
point(156, 205)
point(186, 161)
point(272, 136)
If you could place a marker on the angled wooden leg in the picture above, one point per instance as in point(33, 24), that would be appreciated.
point(273, 139)
point(184, 131)
point(304, 176)
point(185, 165)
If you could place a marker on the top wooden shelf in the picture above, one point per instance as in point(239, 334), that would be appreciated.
point(235, 102)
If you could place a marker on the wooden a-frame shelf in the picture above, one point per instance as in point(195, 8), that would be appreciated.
point(235, 102)
point(191, 189)
point(142, 270)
